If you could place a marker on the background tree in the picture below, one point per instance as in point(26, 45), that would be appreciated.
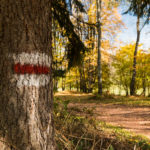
point(143, 71)
point(99, 6)
point(142, 10)
point(123, 63)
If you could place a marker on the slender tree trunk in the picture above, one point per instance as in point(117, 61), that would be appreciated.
point(127, 92)
point(26, 75)
point(133, 79)
point(64, 83)
point(83, 87)
point(144, 85)
point(99, 46)
point(80, 72)
point(77, 84)
point(89, 77)
point(148, 90)
point(55, 82)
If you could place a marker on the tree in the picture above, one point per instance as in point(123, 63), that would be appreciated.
point(140, 9)
point(99, 3)
point(108, 23)
point(26, 73)
point(122, 63)
point(132, 84)
point(143, 71)
point(26, 77)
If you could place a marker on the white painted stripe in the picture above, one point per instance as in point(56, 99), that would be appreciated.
point(32, 58)
point(31, 80)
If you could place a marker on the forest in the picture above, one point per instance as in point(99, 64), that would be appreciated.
point(116, 62)
point(75, 75)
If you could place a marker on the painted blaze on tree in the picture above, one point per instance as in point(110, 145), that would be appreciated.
point(31, 69)
point(25, 75)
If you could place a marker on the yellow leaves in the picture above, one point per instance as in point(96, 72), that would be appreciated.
point(124, 60)
point(115, 10)
point(110, 17)
point(92, 13)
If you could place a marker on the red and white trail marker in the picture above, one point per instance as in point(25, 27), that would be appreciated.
point(31, 69)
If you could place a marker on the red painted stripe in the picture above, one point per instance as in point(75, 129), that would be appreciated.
point(30, 69)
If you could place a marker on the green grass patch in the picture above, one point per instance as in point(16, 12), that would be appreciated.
point(128, 101)
point(105, 99)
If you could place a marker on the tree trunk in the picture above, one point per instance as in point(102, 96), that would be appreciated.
point(144, 85)
point(55, 82)
point(99, 46)
point(62, 84)
point(133, 79)
point(77, 84)
point(26, 75)
point(148, 90)
point(127, 92)
point(82, 79)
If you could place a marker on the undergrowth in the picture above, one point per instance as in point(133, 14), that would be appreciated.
point(73, 132)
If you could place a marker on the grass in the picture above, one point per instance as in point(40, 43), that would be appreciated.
point(105, 99)
point(75, 132)
point(122, 134)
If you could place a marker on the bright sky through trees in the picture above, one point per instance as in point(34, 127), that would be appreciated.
point(128, 34)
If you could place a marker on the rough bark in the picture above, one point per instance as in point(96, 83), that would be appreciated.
point(99, 46)
point(25, 109)
point(133, 79)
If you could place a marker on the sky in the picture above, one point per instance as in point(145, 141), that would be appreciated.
point(128, 34)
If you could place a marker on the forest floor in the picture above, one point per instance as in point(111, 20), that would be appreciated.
point(130, 113)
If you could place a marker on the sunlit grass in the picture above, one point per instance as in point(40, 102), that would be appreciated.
point(105, 99)
point(120, 132)
point(125, 135)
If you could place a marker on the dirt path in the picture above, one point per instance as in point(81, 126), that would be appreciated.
point(136, 119)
